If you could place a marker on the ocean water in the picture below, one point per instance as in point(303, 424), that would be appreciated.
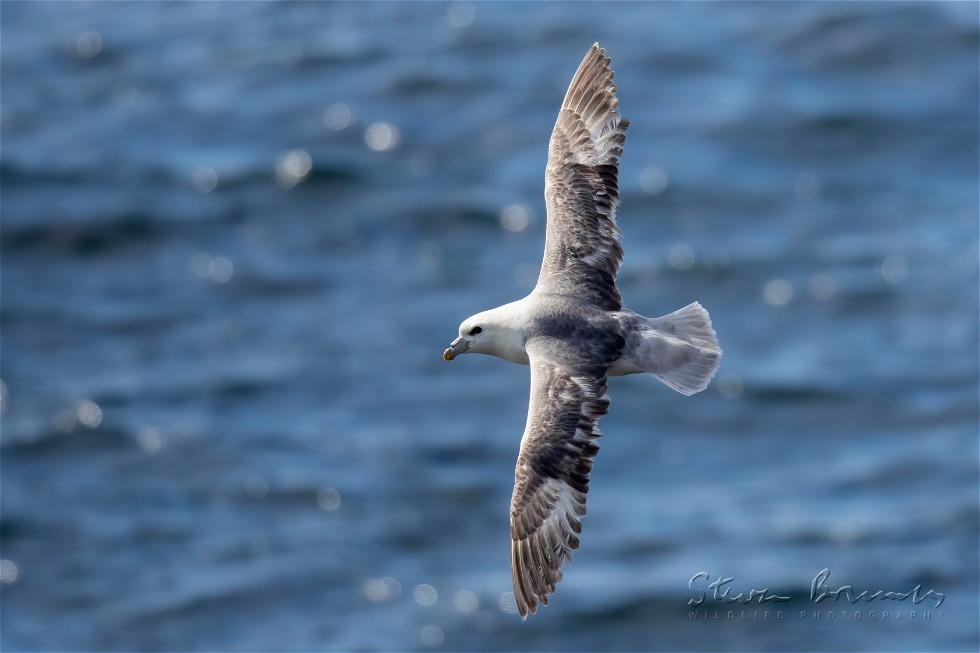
point(237, 236)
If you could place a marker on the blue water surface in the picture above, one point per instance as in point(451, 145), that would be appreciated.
point(237, 236)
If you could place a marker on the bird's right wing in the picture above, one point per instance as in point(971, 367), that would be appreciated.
point(552, 477)
point(582, 251)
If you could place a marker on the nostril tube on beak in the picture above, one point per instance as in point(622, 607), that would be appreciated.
point(456, 347)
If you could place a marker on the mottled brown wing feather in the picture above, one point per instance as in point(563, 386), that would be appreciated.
point(552, 478)
point(582, 251)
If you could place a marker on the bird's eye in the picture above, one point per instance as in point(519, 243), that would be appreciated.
point(475, 330)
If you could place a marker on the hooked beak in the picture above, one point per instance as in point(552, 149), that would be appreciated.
point(457, 347)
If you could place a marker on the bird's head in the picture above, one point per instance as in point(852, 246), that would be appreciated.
point(498, 332)
point(475, 336)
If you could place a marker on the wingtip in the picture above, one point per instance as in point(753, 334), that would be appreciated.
point(522, 610)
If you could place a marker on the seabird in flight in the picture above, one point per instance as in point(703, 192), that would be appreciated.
point(573, 331)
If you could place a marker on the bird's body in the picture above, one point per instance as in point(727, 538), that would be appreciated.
point(573, 332)
point(649, 345)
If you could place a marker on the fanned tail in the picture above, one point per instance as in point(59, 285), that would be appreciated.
point(688, 352)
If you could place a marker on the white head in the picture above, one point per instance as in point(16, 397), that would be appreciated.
point(497, 332)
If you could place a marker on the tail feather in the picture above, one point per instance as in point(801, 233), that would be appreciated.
point(690, 354)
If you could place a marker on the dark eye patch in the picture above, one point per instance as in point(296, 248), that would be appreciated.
point(476, 330)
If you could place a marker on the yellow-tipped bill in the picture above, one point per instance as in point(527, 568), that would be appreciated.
point(457, 347)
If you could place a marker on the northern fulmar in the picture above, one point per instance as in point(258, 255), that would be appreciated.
point(573, 331)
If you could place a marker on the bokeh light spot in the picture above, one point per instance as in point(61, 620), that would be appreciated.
point(515, 217)
point(426, 595)
point(432, 636)
point(777, 292)
point(205, 180)
point(328, 499)
point(9, 571)
point(218, 269)
point(379, 590)
point(88, 45)
point(89, 414)
point(293, 167)
point(337, 116)
point(894, 269)
point(381, 136)
point(466, 602)
point(150, 439)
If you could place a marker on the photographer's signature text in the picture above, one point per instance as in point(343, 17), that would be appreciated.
point(821, 589)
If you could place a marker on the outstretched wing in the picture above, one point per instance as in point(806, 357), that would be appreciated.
point(582, 251)
point(552, 478)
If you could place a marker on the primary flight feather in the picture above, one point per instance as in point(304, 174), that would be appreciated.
point(574, 332)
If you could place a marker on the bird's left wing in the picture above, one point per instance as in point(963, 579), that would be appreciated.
point(552, 477)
